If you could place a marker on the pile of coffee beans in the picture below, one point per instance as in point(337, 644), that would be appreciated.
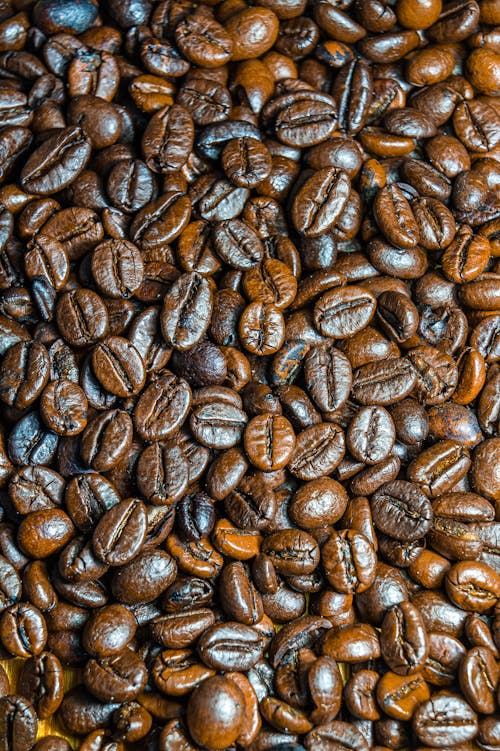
point(250, 374)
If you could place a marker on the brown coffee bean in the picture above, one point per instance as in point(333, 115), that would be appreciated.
point(439, 467)
point(246, 162)
point(118, 366)
point(82, 317)
point(118, 678)
point(341, 313)
point(106, 439)
point(120, 533)
point(225, 645)
point(383, 384)
point(168, 139)
point(46, 258)
point(292, 552)
point(354, 643)
point(64, 407)
point(212, 696)
point(395, 217)
point(455, 719)
point(403, 639)
point(478, 678)
point(318, 451)
point(23, 630)
point(41, 682)
point(320, 201)
point(25, 372)
point(56, 162)
point(118, 268)
point(401, 510)
point(262, 328)
point(472, 585)
point(186, 311)
point(204, 42)
point(399, 695)
point(269, 441)
point(349, 561)
point(319, 502)
point(43, 533)
point(162, 407)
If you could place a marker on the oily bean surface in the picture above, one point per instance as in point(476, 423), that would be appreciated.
point(249, 375)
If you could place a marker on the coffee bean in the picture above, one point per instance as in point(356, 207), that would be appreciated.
point(25, 371)
point(117, 267)
point(186, 311)
point(383, 384)
point(479, 678)
point(320, 201)
point(57, 162)
point(349, 561)
point(115, 679)
point(318, 451)
point(162, 407)
point(106, 439)
point(41, 682)
point(224, 646)
point(395, 217)
point(118, 366)
point(450, 716)
point(19, 721)
point(318, 502)
point(401, 510)
point(269, 441)
point(371, 435)
point(82, 317)
point(130, 585)
point(45, 532)
point(81, 713)
point(120, 533)
point(399, 696)
point(343, 312)
point(64, 407)
point(472, 586)
point(262, 328)
point(403, 639)
point(292, 551)
point(23, 630)
point(207, 724)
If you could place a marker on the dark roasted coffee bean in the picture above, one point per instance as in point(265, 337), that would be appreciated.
point(349, 561)
point(401, 510)
point(445, 716)
point(106, 439)
point(403, 639)
point(42, 683)
point(186, 311)
point(162, 407)
point(82, 317)
point(120, 533)
point(19, 723)
point(31, 443)
point(292, 552)
point(25, 371)
point(57, 162)
point(320, 201)
point(64, 407)
point(229, 646)
point(384, 383)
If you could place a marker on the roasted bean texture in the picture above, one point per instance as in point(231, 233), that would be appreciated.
point(249, 375)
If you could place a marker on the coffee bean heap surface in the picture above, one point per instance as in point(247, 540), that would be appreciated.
point(250, 375)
